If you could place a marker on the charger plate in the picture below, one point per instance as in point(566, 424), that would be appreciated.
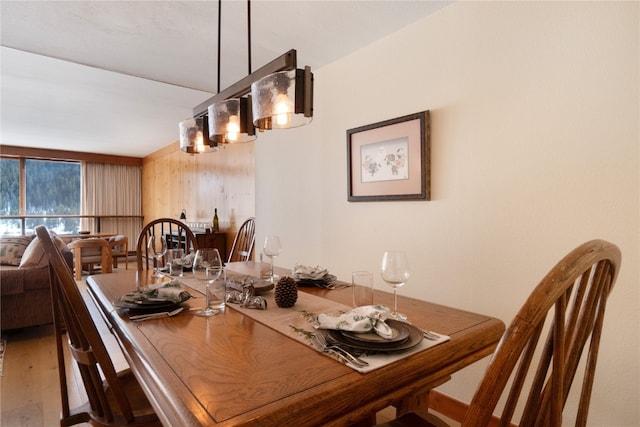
point(414, 338)
point(397, 335)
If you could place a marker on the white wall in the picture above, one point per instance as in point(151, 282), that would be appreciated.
point(535, 149)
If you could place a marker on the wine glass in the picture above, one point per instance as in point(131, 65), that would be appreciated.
point(272, 249)
point(207, 267)
point(395, 272)
point(157, 249)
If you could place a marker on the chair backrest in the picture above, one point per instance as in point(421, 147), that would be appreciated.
point(243, 243)
point(86, 346)
point(176, 233)
point(91, 251)
point(570, 301)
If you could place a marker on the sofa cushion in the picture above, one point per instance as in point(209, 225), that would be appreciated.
point(34, 256)
point(12, 282)
point(12, 249)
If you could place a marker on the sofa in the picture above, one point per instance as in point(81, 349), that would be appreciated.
point(25, 288)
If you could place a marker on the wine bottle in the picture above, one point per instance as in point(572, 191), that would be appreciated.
point(216, 225)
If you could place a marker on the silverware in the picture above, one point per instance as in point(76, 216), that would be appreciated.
point(321, 344)
point(432, 336)
point(141, 317)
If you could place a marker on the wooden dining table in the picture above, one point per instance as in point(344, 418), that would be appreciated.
point(231, 370)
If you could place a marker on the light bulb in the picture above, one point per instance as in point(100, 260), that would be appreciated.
point(199, 142)
point(283, 107)
point(233, 128)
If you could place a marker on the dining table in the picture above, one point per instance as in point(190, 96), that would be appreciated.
point(234, 369)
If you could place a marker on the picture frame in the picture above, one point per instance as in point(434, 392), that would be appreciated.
point(390, 160)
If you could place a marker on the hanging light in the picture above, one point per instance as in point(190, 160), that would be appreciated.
point(283, 100)
point(276, 96)
point(230, 121)
point(194, 136)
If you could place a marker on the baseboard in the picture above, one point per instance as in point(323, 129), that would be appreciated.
point(454, 408)
point(447, 405)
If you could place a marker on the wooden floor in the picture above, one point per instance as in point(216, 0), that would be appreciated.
point(29, 388)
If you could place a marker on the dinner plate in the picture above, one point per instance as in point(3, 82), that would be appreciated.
point(147, 306)
point(397, 335)
point(415, 337)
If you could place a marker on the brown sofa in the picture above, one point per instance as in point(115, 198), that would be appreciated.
point(25, 295)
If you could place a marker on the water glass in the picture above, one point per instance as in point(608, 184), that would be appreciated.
point(362, 285)
point(207, 268)
point(175, 261)
point(218, 293)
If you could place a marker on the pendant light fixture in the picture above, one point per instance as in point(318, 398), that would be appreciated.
point(230, 121)
point(283, 100)
point(276, 96)
point(193, 136)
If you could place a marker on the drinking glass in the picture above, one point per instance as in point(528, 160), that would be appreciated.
point(175, 261)
point(272, 249)
point(207, 267)
point(157, 248)
point(395, 272)
point(362, 285)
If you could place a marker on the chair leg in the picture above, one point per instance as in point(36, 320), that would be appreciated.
point(78, 266)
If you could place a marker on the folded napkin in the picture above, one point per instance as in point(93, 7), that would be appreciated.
point(187, 260)
point(308, 273)
point(169, 291)
point(368, 318)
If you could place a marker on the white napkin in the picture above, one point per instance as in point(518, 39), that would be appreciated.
point(367, 318)
point(306, 272)
point(173, 294)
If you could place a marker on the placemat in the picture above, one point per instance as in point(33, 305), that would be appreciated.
point(297, 323)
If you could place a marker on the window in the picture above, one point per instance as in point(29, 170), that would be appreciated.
point(51, 189)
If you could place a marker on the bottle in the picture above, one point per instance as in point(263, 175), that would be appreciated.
point(216, 225)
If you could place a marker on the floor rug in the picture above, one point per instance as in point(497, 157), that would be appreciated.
point(3, 346)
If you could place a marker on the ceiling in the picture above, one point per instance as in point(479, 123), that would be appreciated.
point(116, 77)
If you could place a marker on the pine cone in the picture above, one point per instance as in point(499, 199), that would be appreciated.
point(286, 292)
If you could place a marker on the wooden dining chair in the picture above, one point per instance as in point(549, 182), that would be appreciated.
point(119, 249)
point(177, 234)
point(88, 252)
point(570, 301)
point(118, 400)
point(242, 248)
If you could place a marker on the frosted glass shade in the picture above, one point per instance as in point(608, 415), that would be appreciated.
point(192, 139)
point(283, 100)
point(230, 121)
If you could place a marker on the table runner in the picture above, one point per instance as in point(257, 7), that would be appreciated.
point(297, 322)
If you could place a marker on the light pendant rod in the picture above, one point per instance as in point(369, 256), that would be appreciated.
point(286, 61)
point(248, 37)
point(219, 38)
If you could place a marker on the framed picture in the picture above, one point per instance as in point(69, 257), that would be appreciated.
point(390, 160)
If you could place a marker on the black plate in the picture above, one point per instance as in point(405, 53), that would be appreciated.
point(152, 309)
point(415, 338)
point(146, 305)
point(398, 335)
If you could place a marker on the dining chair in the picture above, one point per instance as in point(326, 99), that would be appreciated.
point(242, 248)
point(118, 400)
point(88, 252)
point(570, 303)
point(177, 234)
point(119, 248)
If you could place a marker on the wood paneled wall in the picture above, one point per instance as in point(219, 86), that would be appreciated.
point(173, 180)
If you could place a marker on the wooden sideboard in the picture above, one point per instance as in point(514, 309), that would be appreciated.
point(217, 240)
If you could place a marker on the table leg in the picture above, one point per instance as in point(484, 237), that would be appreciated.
point(418, 400)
